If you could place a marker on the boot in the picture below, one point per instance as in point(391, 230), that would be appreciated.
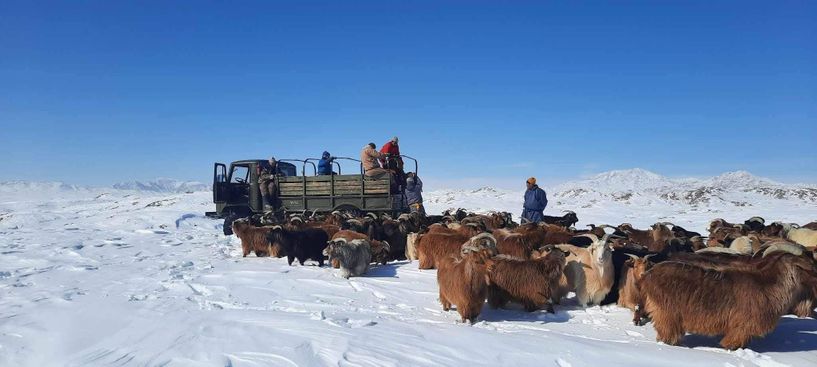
point(267, 208)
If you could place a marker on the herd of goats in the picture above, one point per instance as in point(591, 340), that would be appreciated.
point(736, 282)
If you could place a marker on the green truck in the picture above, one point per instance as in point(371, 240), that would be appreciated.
point(237, 193)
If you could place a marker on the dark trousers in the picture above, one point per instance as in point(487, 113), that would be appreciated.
point(269, 193)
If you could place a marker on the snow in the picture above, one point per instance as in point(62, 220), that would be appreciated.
point(164, 185)
point(99, 276)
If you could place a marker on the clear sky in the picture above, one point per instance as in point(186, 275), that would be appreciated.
point(96, 92)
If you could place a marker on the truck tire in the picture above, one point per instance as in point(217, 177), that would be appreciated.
point(233, 214)
point(228, 223)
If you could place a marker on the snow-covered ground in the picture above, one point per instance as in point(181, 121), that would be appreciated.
point(116, 277)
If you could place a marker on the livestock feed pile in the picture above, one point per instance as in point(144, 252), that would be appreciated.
point(92, 276)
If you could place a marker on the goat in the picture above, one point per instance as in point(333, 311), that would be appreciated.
point(432, 247)
point(634, 269)
point(379, 249)
point(589, 272)
point(462, 280)
point(302, 244)
point(529, 282)
point(411, 246)
point(567, 220)
point(655, 239)
point(755, 224)
point(254, 239)
point(353, 256)
point(735, 303)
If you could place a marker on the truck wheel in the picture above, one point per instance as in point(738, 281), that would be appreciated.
point(228, 223)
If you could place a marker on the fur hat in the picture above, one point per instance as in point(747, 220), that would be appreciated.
point(531, 181)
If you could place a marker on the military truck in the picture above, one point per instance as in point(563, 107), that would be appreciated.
point(237, 193)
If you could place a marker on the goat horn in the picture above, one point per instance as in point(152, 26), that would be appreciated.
point(649, 256)
point(633, 256)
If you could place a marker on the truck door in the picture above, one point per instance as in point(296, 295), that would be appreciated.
point(221, 188)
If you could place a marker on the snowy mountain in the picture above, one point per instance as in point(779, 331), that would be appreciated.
point(739, 188)
point(643, 197)
point(167, 185)
point(25, 186)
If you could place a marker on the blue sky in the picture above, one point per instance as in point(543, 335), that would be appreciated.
point(97, 92)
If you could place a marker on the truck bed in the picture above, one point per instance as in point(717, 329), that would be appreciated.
point(325, 193)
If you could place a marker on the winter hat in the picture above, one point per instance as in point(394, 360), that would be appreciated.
point(372, 145)
point(326, 154)
point(394, 139)
point(272, 160)
point(531, 181)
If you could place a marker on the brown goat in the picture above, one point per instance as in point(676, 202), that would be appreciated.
point(462, 280)
point(804, 301)
point(254, 239)
point(514, 244)
point(529, 282)
point(631, 273)
point(737, 304)
point(655, 238)
point(433, 247)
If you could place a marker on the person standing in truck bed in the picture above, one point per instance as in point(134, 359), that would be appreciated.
point(325, 164)
point(268, 180)
point(393, 161)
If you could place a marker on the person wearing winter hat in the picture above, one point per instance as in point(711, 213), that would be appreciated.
point(325, 164)
point(392, 160)
point(536, 201)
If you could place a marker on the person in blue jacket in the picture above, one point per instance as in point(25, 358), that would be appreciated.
point(414, 193)
point(325, 164)
point(536, 200)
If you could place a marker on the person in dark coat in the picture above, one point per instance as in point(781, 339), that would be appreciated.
point(536, 201)
point(414, 193)
point(268, 180)
point(325, 164)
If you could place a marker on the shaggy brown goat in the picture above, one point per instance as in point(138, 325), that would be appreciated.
point(529, 282)
point(514, 244)
point(470, 229)
point(655, 238)
point(631, 273)
point(254, 239)
point(804, 301)
point(433, 247)
point(737, 304)
point(462, 280)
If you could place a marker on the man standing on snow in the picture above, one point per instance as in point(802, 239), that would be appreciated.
point(536, 201)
